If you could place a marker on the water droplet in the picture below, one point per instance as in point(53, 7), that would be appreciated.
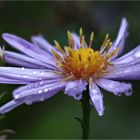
point(40, 78)
point(16, 96)
point(110, 86)
point(128, 93)
point(34, 72)
point(118, 93)
point(45, 90)
point(78, 96)
point(42, 98)
point(25, 76)
point(28, 101)
point(22, 68)
point(36, 85)
point(29, 86)
point(42, 73)
point(41, 83)
point(40, 91)
point(49, 88)
point(94, 91)
point(137, 54)
point(101, 113)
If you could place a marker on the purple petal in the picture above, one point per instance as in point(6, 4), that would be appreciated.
point(76, 39)
point(115, 87)
point(41, 42)
point(23, 60)
point(39, 90)
point(27, 74)
point(120, 41)
point(96, 98)
point(5, 80)
point(125, 73)
point(40, 98)
point(10, 106)
point(75, 88)
point(131, 57)
point(29, 49)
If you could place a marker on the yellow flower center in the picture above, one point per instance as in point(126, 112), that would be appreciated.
point(84, 63)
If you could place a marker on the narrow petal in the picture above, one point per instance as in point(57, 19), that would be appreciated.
point(120, 41)
point(22, 60)
point(5, 80)
point(39, 90)
point(10, 106)
point(125, 73)
point(29, 49)
point(75, 88)
point(115, 87)
point(41, 42)
point(30, 94)
point(96, 98)
point(131, 57)
point(42, 97)
point(76, 39)
point(27, 74)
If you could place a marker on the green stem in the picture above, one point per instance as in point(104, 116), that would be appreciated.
point(86, 109)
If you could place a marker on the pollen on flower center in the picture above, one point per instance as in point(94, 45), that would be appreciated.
point(84, 62)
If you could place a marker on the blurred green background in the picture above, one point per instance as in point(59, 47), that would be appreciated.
point(54, 118)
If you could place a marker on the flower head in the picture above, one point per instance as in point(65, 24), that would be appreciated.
point(44, 69)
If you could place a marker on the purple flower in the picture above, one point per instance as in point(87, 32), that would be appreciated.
point(44, 70)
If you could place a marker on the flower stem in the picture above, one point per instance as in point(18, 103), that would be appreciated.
point(86, 109)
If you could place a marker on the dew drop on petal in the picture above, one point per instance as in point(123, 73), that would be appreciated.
point(118, 94)
point(42, 73)
point(128, 93)
point(34, 72)
point(29, 86)
point(40, 91)
point(45, 90)
point(25, 76)
point(94, 92)
point(137, 54)
point(42, 98)
point(28, 101)
point(101, 113)
point(49, 89)
point(22, 68)
point(41, 83)
point(16, 96)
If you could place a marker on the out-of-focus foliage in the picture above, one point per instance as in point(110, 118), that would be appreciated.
point(54, 118)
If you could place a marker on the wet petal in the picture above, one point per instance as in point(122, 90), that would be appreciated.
point(120, 40)
point(22, 60)
point(96, 98)
point(115, 87)
point(41, 97)
point(10, 106)
point(5, 80)
point(38, 90)
point(125, 73)
point(131, 57)
point(27, 74)
point(29, 49)
point(75, 88)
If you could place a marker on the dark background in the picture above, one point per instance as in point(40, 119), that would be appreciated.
point(54, 118)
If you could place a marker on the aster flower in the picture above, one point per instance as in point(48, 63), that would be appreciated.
point(44, 70)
